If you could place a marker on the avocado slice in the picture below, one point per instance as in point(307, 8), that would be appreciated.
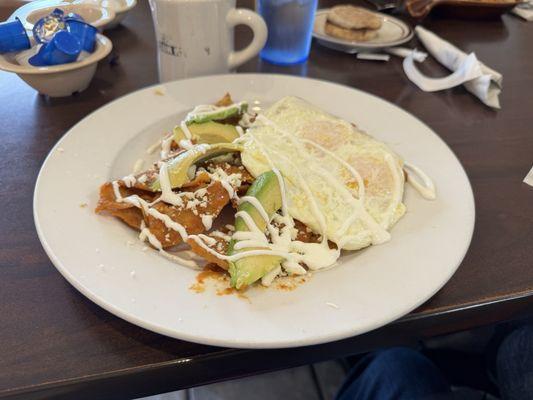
point(247, 270)
point(208, 132)
point(218, 114)
point(179, 166)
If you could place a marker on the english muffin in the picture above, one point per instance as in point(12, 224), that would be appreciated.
point(350, 17)
point(354, 35)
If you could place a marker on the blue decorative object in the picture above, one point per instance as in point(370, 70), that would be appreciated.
point(13, 37)
point(85, 33)
point(64, 48)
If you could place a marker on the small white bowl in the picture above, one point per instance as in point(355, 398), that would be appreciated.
point(121, 9)
point(97, 16)
point(59, 80)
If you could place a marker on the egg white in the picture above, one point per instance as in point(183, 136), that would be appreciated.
point(308, 146)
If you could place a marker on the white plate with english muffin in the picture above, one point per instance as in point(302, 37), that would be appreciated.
point(391, 32)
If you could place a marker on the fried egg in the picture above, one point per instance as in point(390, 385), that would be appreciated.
point(339, 181)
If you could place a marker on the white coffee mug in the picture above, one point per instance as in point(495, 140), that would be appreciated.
point(195, 37)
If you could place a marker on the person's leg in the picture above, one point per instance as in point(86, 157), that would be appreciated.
point(394, 374)
point(514, 364)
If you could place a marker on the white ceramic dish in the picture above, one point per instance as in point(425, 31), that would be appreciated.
point(59, 80)
point(371, 288)
point(30, 13)
point(121, 9)
point(392, 33)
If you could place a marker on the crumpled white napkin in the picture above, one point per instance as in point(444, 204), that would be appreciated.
point(480, 80)
point(404, 52)
point(524, 10)
point(529, 178)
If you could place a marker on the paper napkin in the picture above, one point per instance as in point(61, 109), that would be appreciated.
point(529, 178)
point(404, 52)
point(480, 80)
point(524, 10)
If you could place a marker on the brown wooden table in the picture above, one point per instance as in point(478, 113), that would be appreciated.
point(54, 343)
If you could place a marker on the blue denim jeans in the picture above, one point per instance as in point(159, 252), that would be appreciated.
point(404, 374)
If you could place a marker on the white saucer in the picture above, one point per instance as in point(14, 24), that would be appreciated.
point(392, 33)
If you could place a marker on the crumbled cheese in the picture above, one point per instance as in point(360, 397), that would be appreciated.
point(207, 220)
point(129, 180)
point(332, 305)
point(229, 182)
point(192, 204)
point(200, 192)
point(60, 149)
point(294, 233)
point(83, 205)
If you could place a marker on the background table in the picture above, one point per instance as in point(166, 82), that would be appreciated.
point(54, 343)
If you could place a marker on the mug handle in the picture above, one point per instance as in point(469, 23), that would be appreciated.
point(238, 16)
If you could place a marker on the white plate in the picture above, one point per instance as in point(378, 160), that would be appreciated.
point(393, 32)
point(370, 287)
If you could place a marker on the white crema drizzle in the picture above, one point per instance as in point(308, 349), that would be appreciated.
point(379, 234)
point(166, 144)
point(426, 188)
point(168, 196)
point(208, 110)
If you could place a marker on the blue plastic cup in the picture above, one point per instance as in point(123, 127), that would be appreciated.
point(64, 48)
point(85, 33)
point(13, 37)
point(290, 23)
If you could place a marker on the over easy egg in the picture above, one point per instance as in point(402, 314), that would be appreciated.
point(339, 181)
